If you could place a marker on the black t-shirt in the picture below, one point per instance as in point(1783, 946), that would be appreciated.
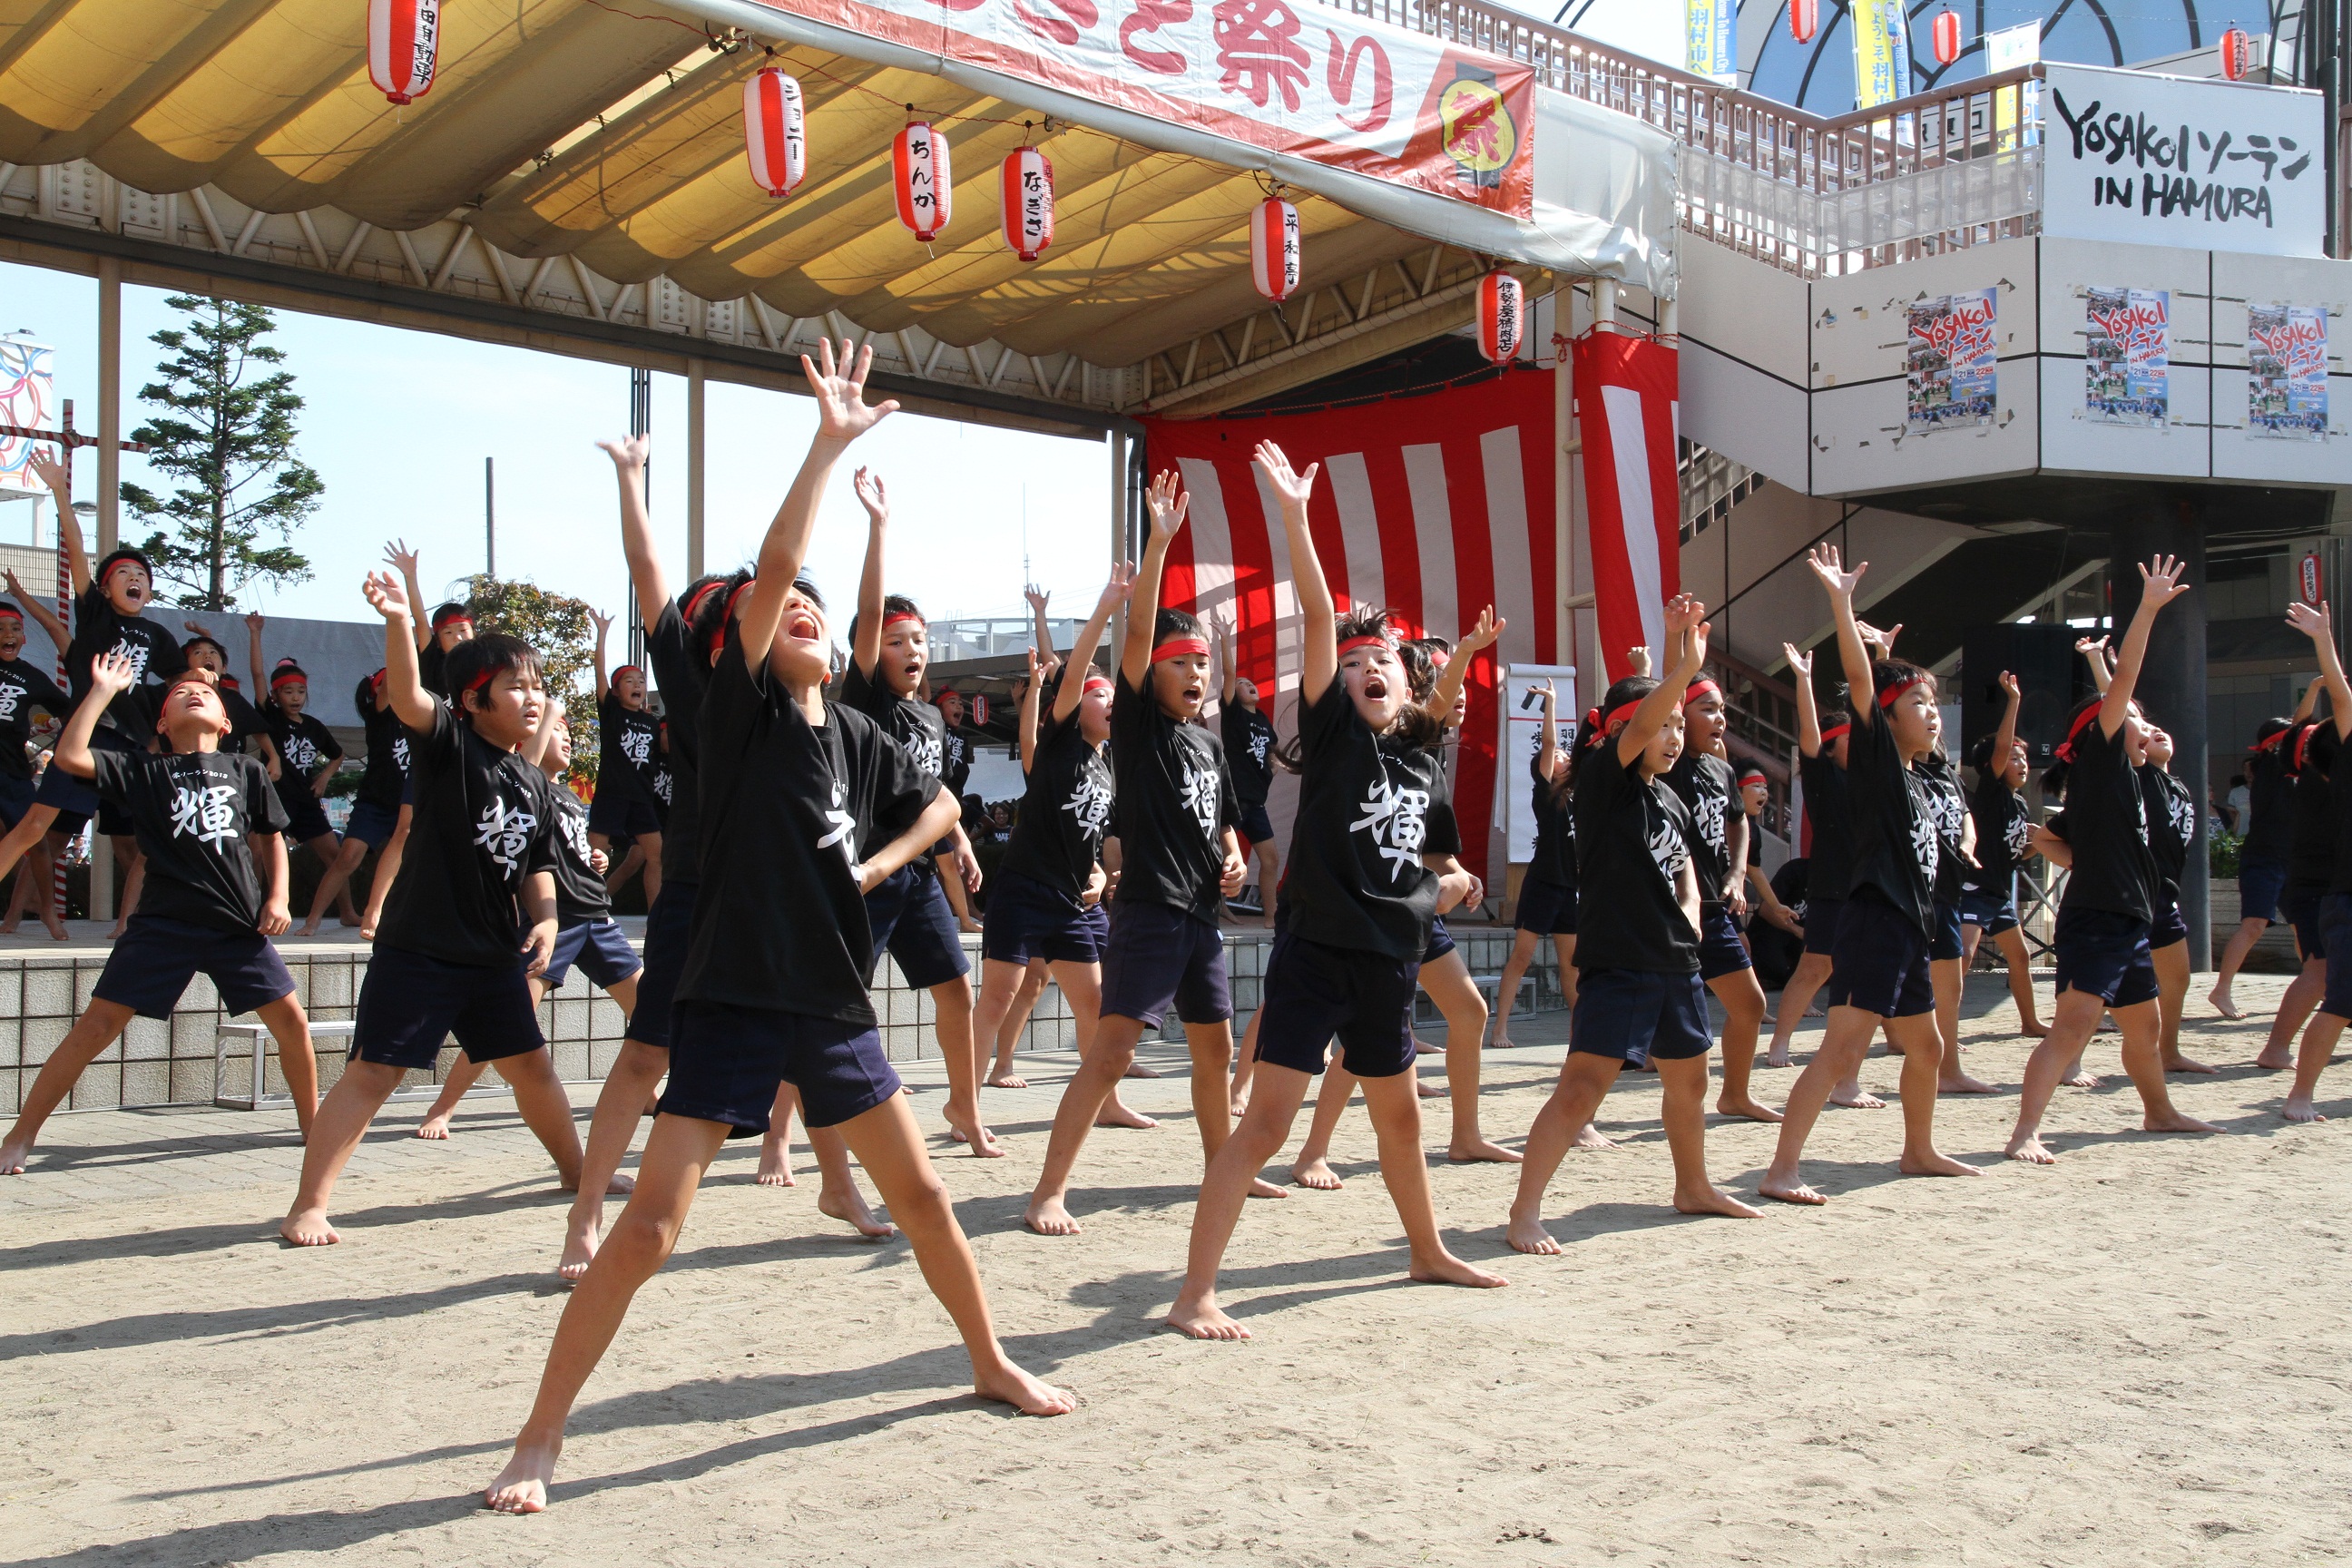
point(580, 895)
point(628, 740)
point(2311, 850)
point(304, 746)
point(1065, 811)
point(190, 814)
point(1947, 808)
point(2270, 793)
point(154, 658)
point(1248, 735)
point(1369, 806)
point(2171, 825)
point(1554, 864)
point(23, 688)
point(1704, 783)
point(682, 674)
point(479, 829)
point(2004, 832)
point(955, 765)
point(916, 725)
point(2106, 822)
point(1894, 842)
point(1175, 801)
point(1632, 840)
point(663, 783)
point(244, 720)
point(1831, 811)
point(786, 806)
point(387, 748)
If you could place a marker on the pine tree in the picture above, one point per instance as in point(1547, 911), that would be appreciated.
point(225, 432)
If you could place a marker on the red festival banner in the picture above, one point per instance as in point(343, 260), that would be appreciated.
point(1311, 81)
point(1627, 407)
point(1434, 507)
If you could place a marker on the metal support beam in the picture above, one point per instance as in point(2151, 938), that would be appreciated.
point(695, 449)
point(110, 511)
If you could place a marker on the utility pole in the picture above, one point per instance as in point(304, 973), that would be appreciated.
point(489, 517)
point(640, 422)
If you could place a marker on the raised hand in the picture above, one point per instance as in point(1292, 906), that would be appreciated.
point(843, 414)
point(873, 496)
point(51, 469)
point(1483, 634)
point(1802, 663)
point(1638, 656)
point(254, 620)
point(14, 587)
point(112, 673)
point(1831, 569)
point(386, 597)
point(2009, 684)
point(1114, 592)
point(1168, 506)
point(2313, 621)
point(1881, 644)
point(403, 559)
point(628, 452)
point(1684, 615)
point(1551, 696)
point(1290, 487)
point(2160, 581)
point(601, 621)
point(1036, 596)
point(2091, 647)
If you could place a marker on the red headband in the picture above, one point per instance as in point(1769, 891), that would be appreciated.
point(694, 601)
point(280, 676)
point(1700, 688)
point(628, 670)
point(718, 638)
point(1094, 680)
point(896, 617)
point(1887, 698)
point(1752, 772)
point(451, 618)
point(1833, 731)
point(2066, 752)
point(1622, 712)
point(481, 680)
point(1179, 647)
point(1352, 644)
point(2262, 746)
point(12, 610)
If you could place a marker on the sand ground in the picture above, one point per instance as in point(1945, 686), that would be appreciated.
point(2138, 1357)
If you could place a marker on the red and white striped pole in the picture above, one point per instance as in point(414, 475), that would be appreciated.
point(64, 616)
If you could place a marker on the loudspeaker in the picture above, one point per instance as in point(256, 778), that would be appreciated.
point(2049, 673)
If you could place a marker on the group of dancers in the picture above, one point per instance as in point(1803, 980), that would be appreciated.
point(808, 832)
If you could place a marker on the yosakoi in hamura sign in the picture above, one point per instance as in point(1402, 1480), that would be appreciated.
point(2188, 170)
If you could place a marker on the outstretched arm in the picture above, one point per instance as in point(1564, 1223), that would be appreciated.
point(865, 649)
point(1081, 661)
point(2095, 654)
point(40, 613)
point(57, 474)
point(404, 559)
point(1038, 599)
point(1448, 688)
point(2004, 739)
point(1031, 699)
point(2160, 584)
point(2318, 624)
point(1548, 756)
point(1686, 633)
point(253, 659)
point(1808, 707)
point(2310, 703)
point(1229, 670)
point(629, 459)
point(404, 688)
point(1167, 509)
point(604, 623)
point(1840, 584)
point(1320, 615)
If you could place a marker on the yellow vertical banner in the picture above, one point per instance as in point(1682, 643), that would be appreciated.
point(1710, 39)
point(1881, 52)
point(2006, 51)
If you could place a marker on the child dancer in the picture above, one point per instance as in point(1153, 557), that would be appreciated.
point(2103, 920)
point(1821, 744)
point(775, 990)
point(1639, 998)
point(2262, 857)
point(628, 739)
point(888, 651)
point(1547, 904)
point(24, 686)
point(210, 910)
point(246, 723)
point(308, 755)
point(2171, 838)
point(1364, 885)
point(1879, 976)
point(1179, 861)
point(2309, 753)
point(1947, 812)
point(2335, 906)
point(1249, 740)
point(2004, 834)
point(472, 918)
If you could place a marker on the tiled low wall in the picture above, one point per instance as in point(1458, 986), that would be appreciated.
point(163, 1062)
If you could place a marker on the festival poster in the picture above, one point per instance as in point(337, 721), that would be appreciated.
point(29, 401)
point(1881, 52)
point(2128, 356)
point(1952, 365)
point(2287, 372)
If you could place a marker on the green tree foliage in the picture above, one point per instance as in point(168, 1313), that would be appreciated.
point(224, 432)
point(558, 628)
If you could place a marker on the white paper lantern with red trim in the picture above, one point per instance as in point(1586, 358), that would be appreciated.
point(919, 168)
point(1804, 17)
point(2237, 53)
point(1946, 35)
point(1502, 316)
point(404, 46)
point(1273, 249)
point(775, 132)
point(1028, 202)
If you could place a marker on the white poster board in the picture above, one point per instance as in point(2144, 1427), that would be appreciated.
point(1515, 797)
point(27, 399)
point(2161, 160)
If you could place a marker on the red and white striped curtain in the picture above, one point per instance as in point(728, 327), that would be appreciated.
point(1626, 392)
point(1434, 507)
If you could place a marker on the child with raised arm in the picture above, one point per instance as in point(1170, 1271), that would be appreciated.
point(2004, 838)
point(1639, 998)
point(24, 686)
point(206, 816)
point(1249, 739)
point(2171, 840)
point(1880, 976)
point(308, 756)
point(1821, 742)
point(889, 648)
point(628, 754)
point(1547, 905)
point(773, 989)
point(1179, 860)
point(2335, 906)
point(472, 918)
point(1371, 862)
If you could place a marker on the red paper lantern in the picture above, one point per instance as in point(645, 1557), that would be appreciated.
point(775, 131)
point(1804, 17)
point(1273, 249)
point(1028, 203)
point(404, 44)
point(919, 166)
point(2237, 53)
point(1502, 316)
point(1947, 36)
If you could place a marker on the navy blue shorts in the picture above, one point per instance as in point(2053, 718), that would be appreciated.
point(1255, 825)
point(2260, 883)
point(409, 1005)
point(1314, 992)
point(64, 793)
point(1992, 911)
point(1881, 962)
point(1944, 940)
point(666, 924)
point(1440, 942)
point(16, 799)
point(621, 813)
point(599, 947)
point(2336, 918)
point(1822, 916)
point(2169, 926)
point(1159, 957)
point(910, 916)
point(1546, 909)
point(729, 1061)
point(2301, 908)
point(305, 818)
point(370, 824)
point(156, 958)
point(1638, 1017)
point(2104, 953)
point(1028, 919)
point(1720, 950)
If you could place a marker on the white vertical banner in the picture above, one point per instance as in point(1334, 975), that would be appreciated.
point(1522, 738)
point(28, 400)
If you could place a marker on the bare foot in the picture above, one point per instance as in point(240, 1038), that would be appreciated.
point(57, 928)
point(1589, 1137)
point(1137, 1069)
point(1116, 1113)
point(969, 926)
point(850, 1207)
point(986, 1148)
point(347, 920)
point(7, 928)
point(1008, 1384)
point(522, 1487)
point(12, 1157)
point(2034, 1029)
point(579, 1251)
point(1005, 1077)
point(1790, 1193)
point(1774, 1058)
point(1421, 1047)
point(1529, 1235)
point(2174, 1121)
point(1714, 1200)
point(2081, 1079)
point(2179, 1063)
point(1047, 1216)
point(1238, 1104)
point(2298, 1108)
point(620, 1186)
point(2273, 1060)
point(435, 1128)
point(308, 1227)
point(1428, 1089)
point(1447, 1269)
point(1474, 1150)
point(310, 927)
point(120, 927)
point(1855, 1098)
point(1317, 1173)
point(1203, 1319)
point(1262, 1188)
point(775, 1164)
point(2028, 1149)
point(2223, 1002)
point(1501, 1042)
point(1963, 1084)
point(1750, 1108)
point(1935, 1164)
point(367, 931)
